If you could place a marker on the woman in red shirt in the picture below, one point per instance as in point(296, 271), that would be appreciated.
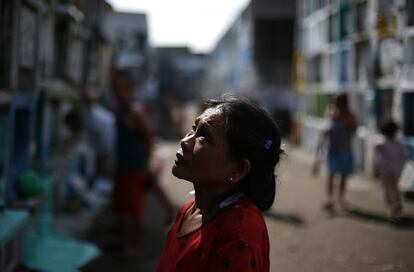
point(230, 156)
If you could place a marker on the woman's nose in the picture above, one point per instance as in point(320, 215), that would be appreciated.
point(186, 142)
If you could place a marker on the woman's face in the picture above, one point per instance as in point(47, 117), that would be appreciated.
point(204, 154)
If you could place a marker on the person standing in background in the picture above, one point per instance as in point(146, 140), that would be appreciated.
point(338, 141)
point(134, 146)
point(73, 164)
point(100, 127)
point(133, 149)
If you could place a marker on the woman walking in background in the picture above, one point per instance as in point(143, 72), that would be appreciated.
point(338, 141)
point(230, 156)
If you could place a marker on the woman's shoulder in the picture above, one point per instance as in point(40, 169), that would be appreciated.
point(243, 219)
point(252, 214)
point(240, 231)
point(248, 208)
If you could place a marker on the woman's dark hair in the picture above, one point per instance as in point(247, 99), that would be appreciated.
point(342, 100)
point(389, 129)
point(253, 135)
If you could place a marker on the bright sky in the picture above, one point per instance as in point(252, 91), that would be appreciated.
point(198, 24)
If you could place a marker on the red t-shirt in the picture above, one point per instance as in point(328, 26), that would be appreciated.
point(235, 240)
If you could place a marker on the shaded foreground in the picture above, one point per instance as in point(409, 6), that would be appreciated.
point(304, 237)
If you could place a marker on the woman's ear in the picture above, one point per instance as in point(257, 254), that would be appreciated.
point(243, 168)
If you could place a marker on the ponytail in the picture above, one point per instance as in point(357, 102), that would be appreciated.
point(263, 193)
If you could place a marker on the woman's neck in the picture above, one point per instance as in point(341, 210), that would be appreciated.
point(208, 198)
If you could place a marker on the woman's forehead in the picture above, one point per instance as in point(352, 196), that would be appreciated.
point(212, 116)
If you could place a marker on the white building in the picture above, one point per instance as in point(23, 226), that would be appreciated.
point(364, 48)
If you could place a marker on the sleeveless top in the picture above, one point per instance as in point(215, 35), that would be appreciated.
point(132, 154)
point(339, 136)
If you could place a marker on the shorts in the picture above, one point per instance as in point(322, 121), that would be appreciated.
point(129, 193)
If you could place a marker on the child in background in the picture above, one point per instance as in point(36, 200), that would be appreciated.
point(389, 159)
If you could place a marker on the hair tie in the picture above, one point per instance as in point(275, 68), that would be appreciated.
point(268, 144)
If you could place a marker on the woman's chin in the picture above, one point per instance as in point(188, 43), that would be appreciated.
point(177, 173)
point(173, 170)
